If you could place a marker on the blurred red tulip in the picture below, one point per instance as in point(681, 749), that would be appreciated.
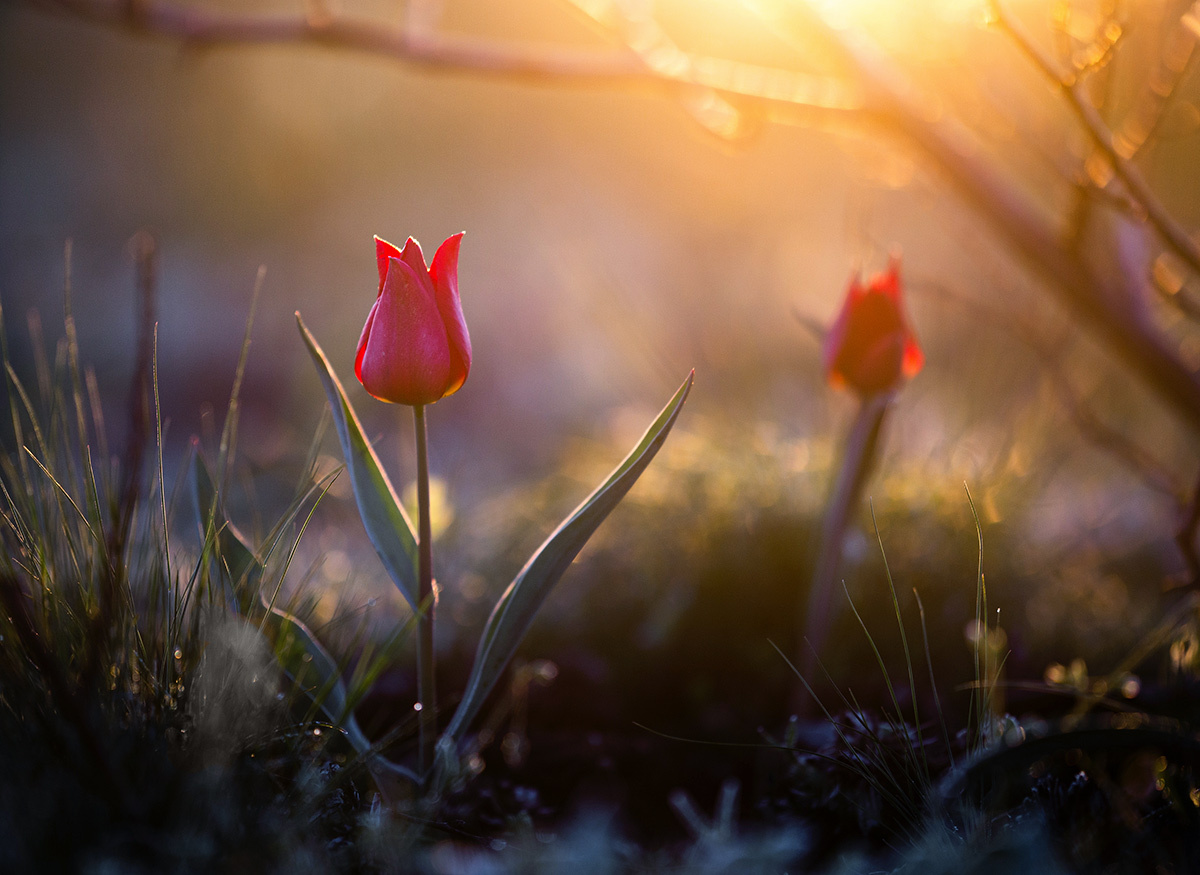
point(870, 347)
point(414, 348)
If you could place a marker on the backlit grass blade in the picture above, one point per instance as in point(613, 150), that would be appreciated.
point(298, 651)
point(516, 608)
point(383, 516)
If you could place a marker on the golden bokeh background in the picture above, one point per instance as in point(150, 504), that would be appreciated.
point(613, 243)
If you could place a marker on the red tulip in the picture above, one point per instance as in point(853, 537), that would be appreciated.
point(414, 348)
point(870, 347)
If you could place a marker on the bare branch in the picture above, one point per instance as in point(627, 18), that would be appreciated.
point(1172, 233)
point(1101, 299)
point(642, 35)
point(1152, 472)
point(1178, 52)
point(783, 94)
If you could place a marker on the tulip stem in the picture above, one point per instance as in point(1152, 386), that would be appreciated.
point(858, 461)
point(426, 602)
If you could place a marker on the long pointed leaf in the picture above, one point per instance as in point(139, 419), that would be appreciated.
point(383, 516)
point(510, 619)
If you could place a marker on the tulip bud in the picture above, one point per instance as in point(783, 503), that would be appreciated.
point(414, 348)
point(870, 347)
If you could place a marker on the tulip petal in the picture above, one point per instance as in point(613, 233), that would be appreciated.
point(362, 339)
point(914, 359)
point(415, 259)
point(888, 282)
point(836, 336)
point(406, 356)
point(444, 273)
point(384, 251)
point(870, 346)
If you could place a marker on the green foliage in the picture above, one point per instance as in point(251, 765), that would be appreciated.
point(157, 709)
point(382, 514)
point(391, 533)
point(519, 603)
point(297, 649)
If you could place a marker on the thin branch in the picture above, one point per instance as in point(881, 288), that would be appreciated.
point(1172, 233)
point(643, 36)
point(1152, 472)
point(779, 91)
point(1145, 120)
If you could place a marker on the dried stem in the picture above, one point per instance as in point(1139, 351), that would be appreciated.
point(123, 504)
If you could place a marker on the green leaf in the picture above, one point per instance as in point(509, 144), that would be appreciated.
point(383, 516)
point(297, 649)
point(318, 673)
point(510, 619)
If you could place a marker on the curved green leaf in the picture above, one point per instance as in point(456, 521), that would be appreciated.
point(383, 516)
point(516, 608)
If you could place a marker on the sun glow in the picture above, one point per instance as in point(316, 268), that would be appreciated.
point(910, 27)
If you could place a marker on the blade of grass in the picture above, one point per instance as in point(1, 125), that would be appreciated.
point(296, 542)
point(982, 720)
point(912, 683)
point(78, 511)
point(242, 564)
point(228, 446)
point(937, 699)
point(166, 535)
point(887, 679)
point(867, 773)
